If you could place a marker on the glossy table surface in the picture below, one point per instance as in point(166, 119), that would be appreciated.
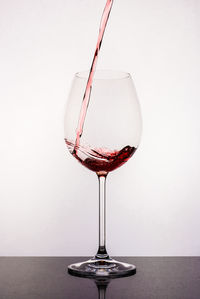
point(47, 277)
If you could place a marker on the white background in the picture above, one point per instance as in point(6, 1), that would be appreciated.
point(48, 202)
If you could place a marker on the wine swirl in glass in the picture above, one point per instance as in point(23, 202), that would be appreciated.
point(110, 136)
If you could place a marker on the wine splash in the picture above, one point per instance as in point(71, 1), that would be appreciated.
point(86, 97)
point(99, 159)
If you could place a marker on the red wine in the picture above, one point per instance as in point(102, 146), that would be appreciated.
point(88, 89)
point(100, 160)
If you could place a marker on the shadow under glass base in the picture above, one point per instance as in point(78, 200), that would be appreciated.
point(100, 268)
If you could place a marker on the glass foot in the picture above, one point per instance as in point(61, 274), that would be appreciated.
point(101, 268)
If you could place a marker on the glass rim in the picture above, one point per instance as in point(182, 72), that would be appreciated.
point(104, 75)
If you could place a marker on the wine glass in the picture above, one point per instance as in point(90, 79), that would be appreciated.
point(111, 134)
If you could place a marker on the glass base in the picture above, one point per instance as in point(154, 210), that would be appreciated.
point(101, 268)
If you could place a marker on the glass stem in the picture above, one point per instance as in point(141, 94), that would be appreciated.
point(102, 293)
point(102, 253)
point(102, 286)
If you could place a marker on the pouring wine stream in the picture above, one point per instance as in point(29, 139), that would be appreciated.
point(88, 89)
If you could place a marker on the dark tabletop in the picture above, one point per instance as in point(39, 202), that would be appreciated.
point(47, 278)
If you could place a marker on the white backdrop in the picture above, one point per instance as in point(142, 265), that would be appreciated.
point(48, 202)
